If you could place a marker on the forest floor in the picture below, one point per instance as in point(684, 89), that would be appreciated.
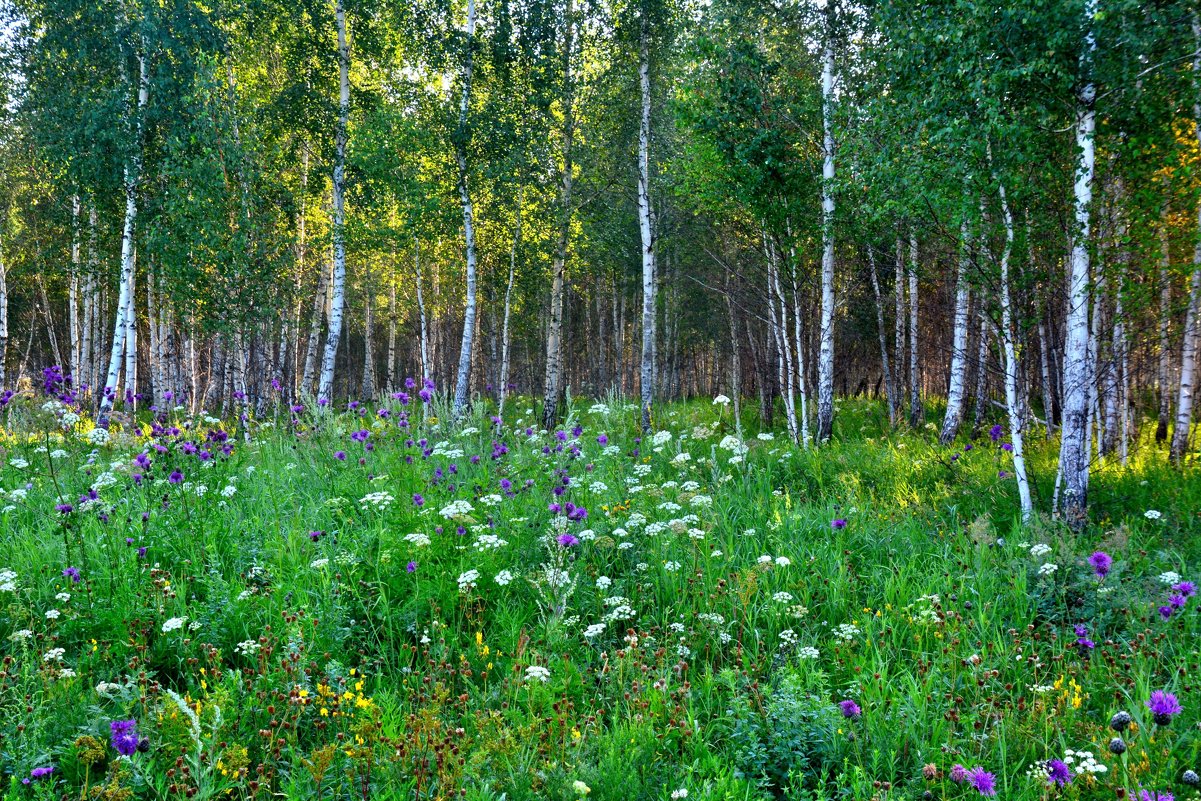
point(370, 604)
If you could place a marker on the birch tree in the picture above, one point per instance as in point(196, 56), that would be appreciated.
point(1192, 320)
point(646, 225)
point(325, 387)
point(461, 136)
point(132, 173)
point(1074, 444)
point(825, 357)
point(957, 390)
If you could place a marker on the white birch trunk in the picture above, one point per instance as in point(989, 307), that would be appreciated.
point(916, 411)
point(779, 325)
point(368, 342)
point(957, 393)
point(462, 385)
point(133, 171)
point(899, 322)
point(392, 325)
point(325, 387)
point(73, 289)
point(1188, 354)
point(1077, 375)
point(1011, 368)
point(645, 227)
point(131, 341)
point(825, 353)
point(553, 381)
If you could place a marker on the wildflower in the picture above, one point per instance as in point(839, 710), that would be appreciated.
point(984, 782)
point(1120, 721)
point(173, 624)
point(1191, 778)
point(503, 578)
point(1163, 706)
point(72, 573)
point(721, 400)
point(1186, 588)
point(850, 709)
point(1152, 514)
point(995, 432)
point(838, 524)
point(41, 773)
point(581, 788)
point(567, 540)
point(411, 567)
point(125, 738)
point(1058, 772)
point(1102, 563)
point(537, 673)
point(676, 795)
point(958, 773)
point(1117, 746)
point(595, 630)
point(176, 477)
point(1149, 795)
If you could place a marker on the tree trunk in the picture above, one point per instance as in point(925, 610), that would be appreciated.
point(889, 389)
point(502, 389)
point(73, 290)
point(133, 171)
point(368, 341)
point(956, 392)
point(337, 306)
point(899, 321)
point(917, 413)
point(1077, 375)
point(3, 311)
point(1188, 354)
point(462, 385)
point(553, 381)
point(825, 354)
point(645, 227)
point(392, 325)
point(426, 368)
point(1011, 367)
point(1163, 376)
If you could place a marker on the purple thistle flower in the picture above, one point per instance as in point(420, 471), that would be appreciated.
point(340, 456)
point(176, 477)
point(42, 772)
point(1163, 706)
point(567, 540)
point(418, 500)
point(602, 439)
point(995, 432)
point(850, 709)
point(1058, 773)
point(1102, 563)
point(72, 573)
point(64, 508)
point(1165, 612)
point(838, 523)
point(1155, 795)
point(411, 567)
point(1186, 588)
point(959, 773)
point(984, 782)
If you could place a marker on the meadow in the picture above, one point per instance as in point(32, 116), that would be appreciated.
point(380, 603)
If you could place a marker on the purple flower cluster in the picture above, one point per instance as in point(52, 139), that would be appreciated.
point(984, 782)
point(124, 737)
point(1178, 596)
